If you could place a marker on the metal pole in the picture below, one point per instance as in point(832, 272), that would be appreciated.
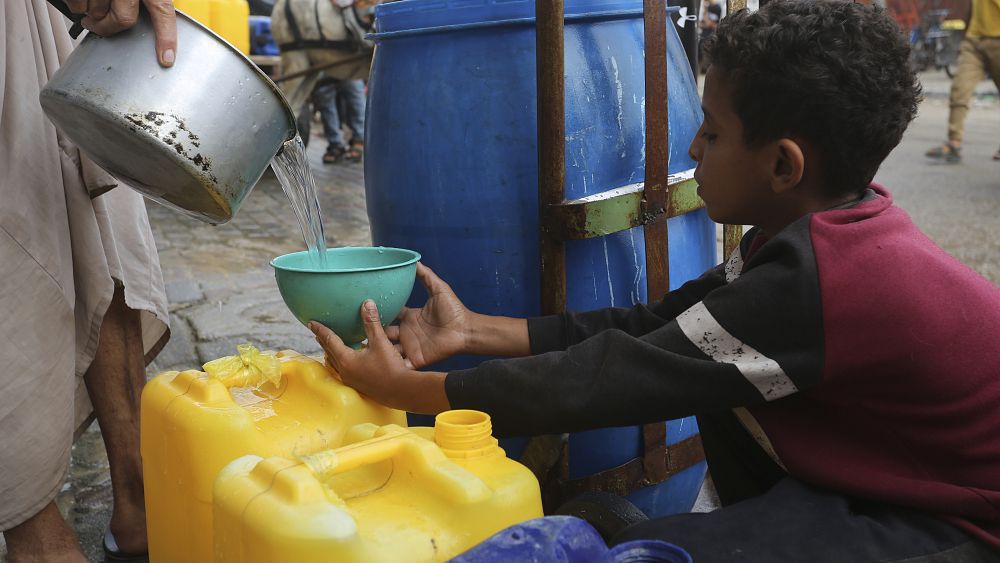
point(731, 234)
point(657, 150)
point(551, 148)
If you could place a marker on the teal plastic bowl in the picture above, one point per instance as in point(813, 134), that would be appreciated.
point(333, 296)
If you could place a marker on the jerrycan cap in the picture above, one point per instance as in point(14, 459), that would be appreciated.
point(465, 434)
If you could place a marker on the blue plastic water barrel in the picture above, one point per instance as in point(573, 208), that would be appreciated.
point(451, 171)
point(565, 539)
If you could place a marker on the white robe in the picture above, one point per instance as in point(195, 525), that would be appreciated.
point(60, 254)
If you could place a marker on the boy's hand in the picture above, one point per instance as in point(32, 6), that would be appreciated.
point(438, 330)
point(378, 370)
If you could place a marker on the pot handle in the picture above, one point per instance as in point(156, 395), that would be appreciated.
point(77, 28)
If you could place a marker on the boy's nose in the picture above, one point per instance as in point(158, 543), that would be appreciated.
point(694, 149)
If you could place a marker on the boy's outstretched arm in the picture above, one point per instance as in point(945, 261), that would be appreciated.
point(744, 343)
point(444, 327)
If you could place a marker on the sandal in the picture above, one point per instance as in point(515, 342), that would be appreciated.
point(946, 152)
point(334, 154)
point(113, 553)
point(356, 151)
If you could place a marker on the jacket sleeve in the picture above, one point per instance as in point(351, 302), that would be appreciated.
point(756, 339)
point(558, 332)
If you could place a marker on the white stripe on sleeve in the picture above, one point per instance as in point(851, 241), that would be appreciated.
point(734, 266)
point(701, 328)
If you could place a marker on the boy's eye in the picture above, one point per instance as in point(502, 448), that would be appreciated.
point(710, 137)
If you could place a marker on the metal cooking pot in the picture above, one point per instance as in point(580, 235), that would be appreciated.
point(195, 137)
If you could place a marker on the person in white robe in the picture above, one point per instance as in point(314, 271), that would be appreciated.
point(82, 303)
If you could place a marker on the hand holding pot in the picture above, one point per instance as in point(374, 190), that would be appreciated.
point(107, 17)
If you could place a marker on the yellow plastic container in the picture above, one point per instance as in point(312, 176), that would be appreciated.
point(391, 495)
point(193, 425)
point(200, 10)
point(231, 20)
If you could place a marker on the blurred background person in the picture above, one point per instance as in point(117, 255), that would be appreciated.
point(314, 33)
point(979, 54)
point(341, 104)
point(708, 20)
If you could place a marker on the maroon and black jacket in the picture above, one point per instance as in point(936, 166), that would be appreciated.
point(869, 357)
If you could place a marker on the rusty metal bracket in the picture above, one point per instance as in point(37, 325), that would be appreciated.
point(648, 204)
point(634, 475)
point(620, 208)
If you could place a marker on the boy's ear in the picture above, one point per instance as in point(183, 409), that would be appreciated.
point(789, 165)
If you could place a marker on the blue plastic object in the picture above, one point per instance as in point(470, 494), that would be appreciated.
point(565, 539)
point(648, 551)
point(553, 539)
point(451, 171)
point(261, 41)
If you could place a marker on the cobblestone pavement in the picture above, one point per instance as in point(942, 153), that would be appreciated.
point(222, 291)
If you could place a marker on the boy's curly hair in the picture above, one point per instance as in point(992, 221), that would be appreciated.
point(830, 72)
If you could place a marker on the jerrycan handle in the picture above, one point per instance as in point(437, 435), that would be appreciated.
point(341, 460)
point(440, 474)
point(458, 434)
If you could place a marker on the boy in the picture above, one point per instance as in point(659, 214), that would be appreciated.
point(844, 369)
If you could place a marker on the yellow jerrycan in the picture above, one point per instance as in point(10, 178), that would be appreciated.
point(199, 10)
point(231, 20)
point(391, 495)
point(193, 424)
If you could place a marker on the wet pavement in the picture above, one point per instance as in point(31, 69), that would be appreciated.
point(222, 291)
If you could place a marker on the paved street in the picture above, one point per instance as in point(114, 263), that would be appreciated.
point(958, 206)
point(222, 292)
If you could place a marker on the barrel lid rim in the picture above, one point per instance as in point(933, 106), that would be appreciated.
point(399, 18)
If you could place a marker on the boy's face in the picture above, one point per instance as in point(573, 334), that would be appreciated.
point(730, 174)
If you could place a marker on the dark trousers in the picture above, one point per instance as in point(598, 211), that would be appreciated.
point(770, 517)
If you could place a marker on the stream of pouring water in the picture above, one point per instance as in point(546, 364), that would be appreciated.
point(296, 178)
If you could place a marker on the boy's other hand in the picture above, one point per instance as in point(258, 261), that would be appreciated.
point(438, 330)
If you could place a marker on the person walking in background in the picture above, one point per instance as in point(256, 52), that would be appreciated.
point(711, 14)
point(979, 54)
point(341, 102)
point(311, 34)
